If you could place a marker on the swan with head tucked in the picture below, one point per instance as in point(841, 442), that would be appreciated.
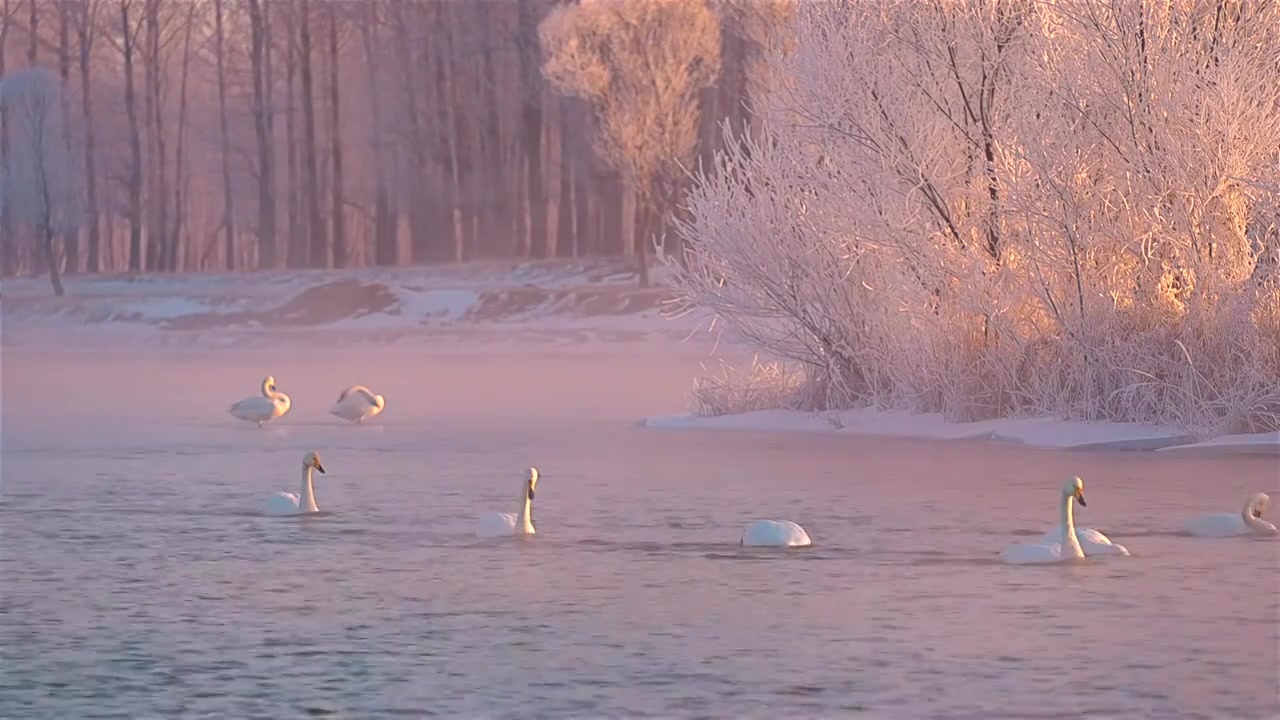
point(1052, 552)
point(357, 404)
point(1247, 522)
point(775, 533)
point(521, 523)
point(284, 503)
point(270, 406)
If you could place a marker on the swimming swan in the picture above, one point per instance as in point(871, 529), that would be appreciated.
point(1091, 541)
point(357, 404)
point(271, 405)
point(498, 524)
point(1247, 522)
point(283, 503)
point(777, 533)
point(1052, 552)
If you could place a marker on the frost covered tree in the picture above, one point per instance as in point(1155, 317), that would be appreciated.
point(40, 192)
point(641, 65)
point(992, 208)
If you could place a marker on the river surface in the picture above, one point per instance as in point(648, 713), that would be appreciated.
point(137, 578)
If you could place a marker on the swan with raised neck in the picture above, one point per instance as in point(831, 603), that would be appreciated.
point(516, 523)
point(1052, 552)
point(284, 503)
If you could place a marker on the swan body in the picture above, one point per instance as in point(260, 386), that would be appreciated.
point(1247, 522)
point(1091, 541)
point(521, 523)
point(286, 503)
point(271, 405)
point(1047, 551)
point(775, 533)
point(357, 404)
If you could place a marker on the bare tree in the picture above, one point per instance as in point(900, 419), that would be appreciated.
point(8, 254)
point(86, 24)
point(340, 250)
point(640, 64)
point(45, 200)
point(320, 250)
point(128, 43)
point(262, 128)
point(228, 203)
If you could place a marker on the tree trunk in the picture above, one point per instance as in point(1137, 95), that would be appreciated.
point(298, 247)
point(156, 237)
point(531, 127)
point(552, 167)
point(85, 31)
point(135, 142)
point(316, 229)
point(266, 174)
point(71, 237)
point(627, 218)
point(228, 203)
point(340, 250)
point(179, 179)
point(385, 247)
point(7, 255)
point(447, 100)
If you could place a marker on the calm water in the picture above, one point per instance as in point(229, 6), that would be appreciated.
point(138, 580)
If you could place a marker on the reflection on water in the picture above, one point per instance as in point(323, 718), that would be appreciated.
point(138, 578)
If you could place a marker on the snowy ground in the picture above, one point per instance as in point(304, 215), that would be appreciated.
point(580, 307)
point(560, 300)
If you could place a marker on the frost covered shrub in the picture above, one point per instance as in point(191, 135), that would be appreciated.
point(989, 209)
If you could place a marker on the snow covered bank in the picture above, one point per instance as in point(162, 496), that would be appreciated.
point(1031, 432)
point(385, 305)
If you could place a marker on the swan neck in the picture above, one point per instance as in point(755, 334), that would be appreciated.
point(1069, 539)
point(307, 497)
point(524, 521)
point(1254, 523)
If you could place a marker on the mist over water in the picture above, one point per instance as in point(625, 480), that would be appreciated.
point(139, 578)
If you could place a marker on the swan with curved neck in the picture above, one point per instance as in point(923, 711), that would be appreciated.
point(1052, 552)
point(357, 404)
point(285, 503)
point(775, 533)
point(271, 405)
point(1247, 522)
point(521, 523)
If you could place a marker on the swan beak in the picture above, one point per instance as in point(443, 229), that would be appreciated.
point(320, 467)
point(1080, 498)
point(530, 493)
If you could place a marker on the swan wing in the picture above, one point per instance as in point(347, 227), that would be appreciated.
point(282, 503)
point(253, 409)
point(497, 524)
point(1032, 553)
point(1217, 525)
point(776, 533)
point(1092, 542)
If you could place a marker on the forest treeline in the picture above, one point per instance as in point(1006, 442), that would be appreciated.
point(202, 135)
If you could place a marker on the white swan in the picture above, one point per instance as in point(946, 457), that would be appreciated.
point(283, 503)
point(1247, 522)
point(1091, 541)
point(1052, 552)
point(777, 533)
point(357, 404)
point(498, 524)
point(270, 406)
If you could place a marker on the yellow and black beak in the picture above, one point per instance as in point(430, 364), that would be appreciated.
point(1080, 498)
point(530, 492)
point(320, 467)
